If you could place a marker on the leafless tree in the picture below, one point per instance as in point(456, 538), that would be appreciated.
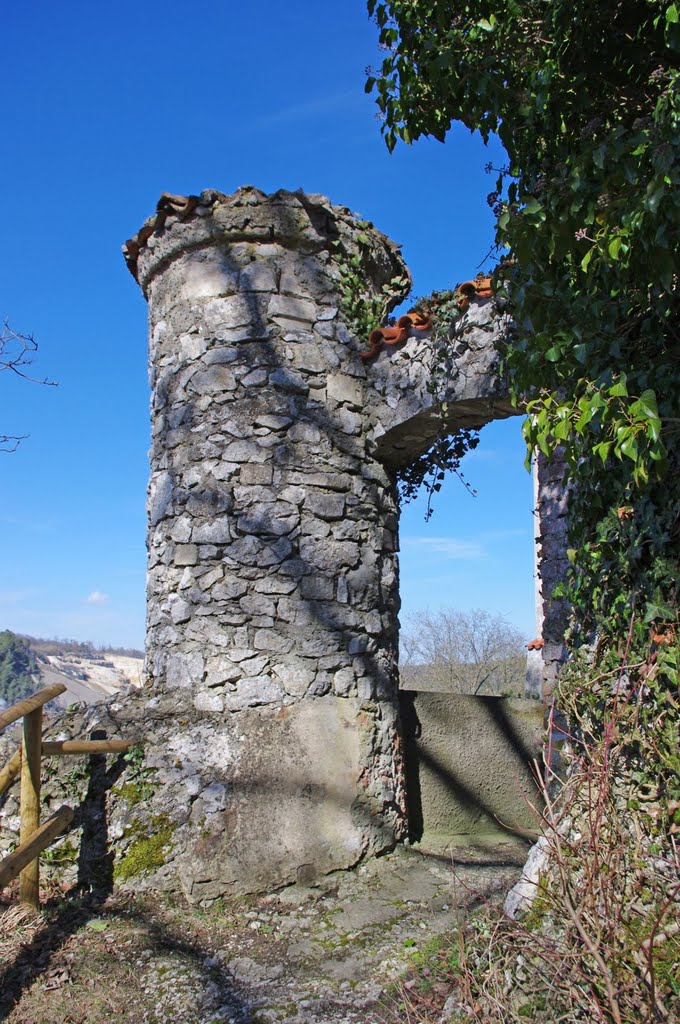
point(471, 652)
point(16, 355)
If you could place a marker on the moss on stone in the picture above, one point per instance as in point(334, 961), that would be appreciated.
point(134, 793)
point(149, 848)
point(61, 857)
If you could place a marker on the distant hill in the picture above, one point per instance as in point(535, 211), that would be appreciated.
point(90, 674)
point(19, 669)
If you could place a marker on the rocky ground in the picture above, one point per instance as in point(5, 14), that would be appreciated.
point(339, 952)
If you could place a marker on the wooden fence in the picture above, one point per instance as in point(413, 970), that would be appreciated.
point(34, 837)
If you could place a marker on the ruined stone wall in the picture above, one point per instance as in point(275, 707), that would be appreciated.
point(273, 577)
point(271, 568)
point(552, 563)
point(270, 719)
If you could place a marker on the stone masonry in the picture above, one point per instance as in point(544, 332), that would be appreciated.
point(273, 577)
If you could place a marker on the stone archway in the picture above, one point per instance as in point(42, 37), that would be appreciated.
point(273, 531)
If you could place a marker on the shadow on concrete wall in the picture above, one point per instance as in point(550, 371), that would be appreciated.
point(470, 763)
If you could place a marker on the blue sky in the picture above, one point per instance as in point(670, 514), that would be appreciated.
point(106, 107)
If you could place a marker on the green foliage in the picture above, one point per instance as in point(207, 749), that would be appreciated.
point(586, 100)
point(18, 668)
point(139, 782)
point(363, 310)
point(430, 469)
point(445, 455)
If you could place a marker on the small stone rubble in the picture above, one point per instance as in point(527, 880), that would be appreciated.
point(334, 952)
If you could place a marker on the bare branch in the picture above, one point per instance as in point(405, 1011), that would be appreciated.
point(16, 354)
point(10, 443)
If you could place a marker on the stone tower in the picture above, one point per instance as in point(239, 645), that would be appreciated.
point(273, 528)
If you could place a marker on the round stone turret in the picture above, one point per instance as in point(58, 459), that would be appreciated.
point(272, 583)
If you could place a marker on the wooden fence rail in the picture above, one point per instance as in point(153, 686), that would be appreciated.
point(34, 838)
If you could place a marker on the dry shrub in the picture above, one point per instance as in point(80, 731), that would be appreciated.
point(601, 941)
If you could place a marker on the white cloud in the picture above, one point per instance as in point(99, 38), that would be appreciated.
point(337, 102)
point(496, 535)
point(96, 597)
point(449, 547)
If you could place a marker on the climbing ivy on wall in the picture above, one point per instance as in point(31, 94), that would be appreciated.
point(427, 473)
point(586, 100)
point(362, 309)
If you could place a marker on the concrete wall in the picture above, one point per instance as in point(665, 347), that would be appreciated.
point(468, 764)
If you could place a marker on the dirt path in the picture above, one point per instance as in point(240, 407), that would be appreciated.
point(304, 955)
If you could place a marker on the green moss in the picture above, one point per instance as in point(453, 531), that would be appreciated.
point(540, 907)
point(139, 784)
point(134, 793)
point(531, 1008)
point(149, 848)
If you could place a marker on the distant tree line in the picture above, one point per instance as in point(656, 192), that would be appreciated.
point(20, 658)
point(79, 648)
point(472, 652)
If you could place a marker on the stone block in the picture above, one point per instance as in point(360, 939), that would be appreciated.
point(221, 670)
point(257, 277)
point(327, 556)
point(344, 681)
point(257, 604)
point(277, 519)
point(185, 554)
point(251, 692)
point(326, 506)
point(294, 808)
point(272, 640)
point(342, 388)
point(208, 701)
point(204, 275)
point(295, 677)
point(214, 532)
point(472, 756)
point(288, 381)
point(238, 311)
point(180, 611)
point(229, 589)
point(251, 473)
point(184, 670)
point(274, 585)
point(213, 381)
point(287, 309)
point(161, 491)
point(318, 588)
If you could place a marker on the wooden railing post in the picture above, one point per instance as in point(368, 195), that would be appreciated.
point(10, 771)
point(31, 751)
point(33, 838)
